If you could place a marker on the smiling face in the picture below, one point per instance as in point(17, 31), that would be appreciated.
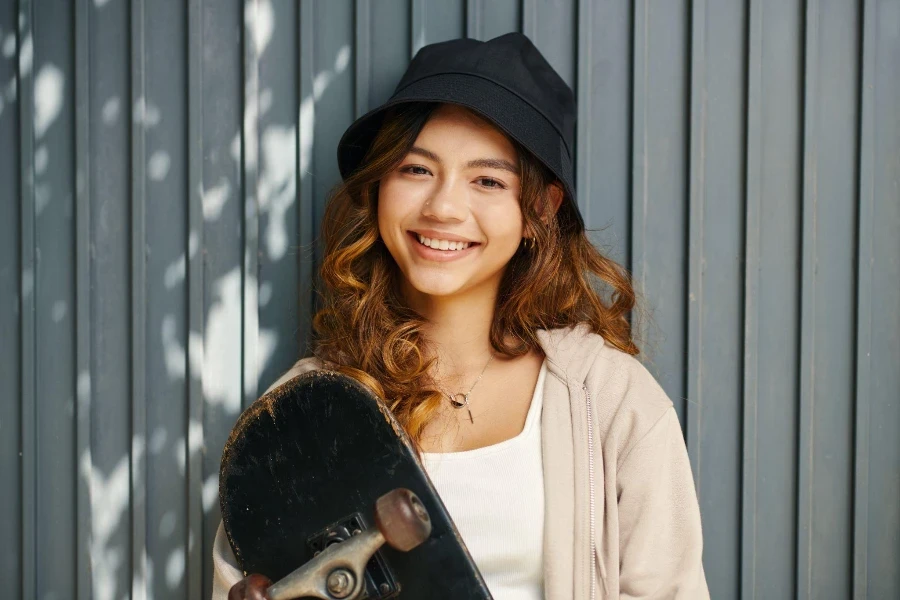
point(449, 213)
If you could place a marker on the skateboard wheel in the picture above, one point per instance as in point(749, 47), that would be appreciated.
point(402, 519)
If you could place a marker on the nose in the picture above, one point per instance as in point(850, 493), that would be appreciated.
point(446, 203)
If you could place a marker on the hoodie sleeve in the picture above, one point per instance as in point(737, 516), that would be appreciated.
point(660, 540)
point(226, 572)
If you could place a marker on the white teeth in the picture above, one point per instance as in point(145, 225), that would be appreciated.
point(442, 244)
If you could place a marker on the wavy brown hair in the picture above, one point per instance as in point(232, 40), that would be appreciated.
point(366, 330)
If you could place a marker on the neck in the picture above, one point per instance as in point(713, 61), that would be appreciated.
point(458, 328)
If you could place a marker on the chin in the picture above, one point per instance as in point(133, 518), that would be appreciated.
point(430, 287)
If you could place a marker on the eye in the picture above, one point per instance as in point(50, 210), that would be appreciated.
point(415, 170)
point(490, 183)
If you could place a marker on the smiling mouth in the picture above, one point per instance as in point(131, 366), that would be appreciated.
point(438, 244)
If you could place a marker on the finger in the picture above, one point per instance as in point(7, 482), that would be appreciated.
point(252, 587)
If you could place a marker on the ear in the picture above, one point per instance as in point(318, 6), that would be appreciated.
point(555, 196)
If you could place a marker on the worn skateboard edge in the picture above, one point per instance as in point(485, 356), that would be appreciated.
point(267, 403)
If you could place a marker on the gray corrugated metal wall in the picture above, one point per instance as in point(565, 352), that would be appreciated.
point(164, 166)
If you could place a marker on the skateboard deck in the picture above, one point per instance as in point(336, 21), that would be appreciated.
point(302, 472)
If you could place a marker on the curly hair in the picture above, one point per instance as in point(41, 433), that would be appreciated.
point(367, 331)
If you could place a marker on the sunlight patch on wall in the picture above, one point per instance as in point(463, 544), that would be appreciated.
point(145, 113)
point(26, 56)
point(110, 111)
point(214, 199)
point(109, 511)
point(222, 344)
point(158, 165)
point(277, 187)
point(175, 568)
point(48, 98)
point(307, 107)
point(173, 351)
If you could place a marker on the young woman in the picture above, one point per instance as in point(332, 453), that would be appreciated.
point(459, 285)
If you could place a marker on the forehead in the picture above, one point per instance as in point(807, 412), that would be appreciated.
point(452, 128)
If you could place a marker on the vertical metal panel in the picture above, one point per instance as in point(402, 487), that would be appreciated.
point(27, 412)
point(487, 19)
point(12, 298)
point(254, 30)
point(54, 289)
point(473, 18)
point(828, 299)
point(390, 42)
point(83, 322)
point(166, 229)
point(604, 94)
point(333, 80)
point(138, 476)
point(362, 58)
point(876, 518)
point(198, 547)
point(279, 260)
point(221, 252)
point(771, 298)
point(659, 188)
point(715, 284)
point(109, 377)
point(11, 318)
point(553, 28)
point(435, 22)
point(306, 208)
point(417, 13)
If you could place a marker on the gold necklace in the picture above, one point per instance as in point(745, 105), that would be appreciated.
point(464, 403)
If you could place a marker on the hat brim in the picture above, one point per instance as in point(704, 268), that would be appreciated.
point(514, 116)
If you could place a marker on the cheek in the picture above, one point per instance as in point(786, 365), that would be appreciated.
point(389, 207)
point(503, 221)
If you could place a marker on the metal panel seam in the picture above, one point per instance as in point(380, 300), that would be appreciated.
point(696, 200)
point(753, 205)
point(864, 288)
point(808, 305)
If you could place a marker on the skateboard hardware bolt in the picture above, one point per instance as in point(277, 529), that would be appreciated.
point(384, 588)
point(340, 583)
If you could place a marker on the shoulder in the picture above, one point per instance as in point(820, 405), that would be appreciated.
point(304, 365)
point(628, 400)
point(625, 398)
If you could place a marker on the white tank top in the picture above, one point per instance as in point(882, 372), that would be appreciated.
point(495, 496)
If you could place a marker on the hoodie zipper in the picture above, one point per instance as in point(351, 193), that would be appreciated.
point(590, 439)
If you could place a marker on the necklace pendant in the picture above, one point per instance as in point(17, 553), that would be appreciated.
point(459, 403)
point(455, 402)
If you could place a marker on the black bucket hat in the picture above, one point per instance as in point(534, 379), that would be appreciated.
point(507, 81)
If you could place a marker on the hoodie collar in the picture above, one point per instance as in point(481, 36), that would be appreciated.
point(570, 351)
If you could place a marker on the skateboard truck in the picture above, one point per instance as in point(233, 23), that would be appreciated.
point(338, 572)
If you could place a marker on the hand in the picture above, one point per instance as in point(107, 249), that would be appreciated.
point(251, 587)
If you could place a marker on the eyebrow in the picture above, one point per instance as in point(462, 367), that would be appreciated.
point(485, 163)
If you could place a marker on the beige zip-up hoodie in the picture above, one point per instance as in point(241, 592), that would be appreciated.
point(621, 512)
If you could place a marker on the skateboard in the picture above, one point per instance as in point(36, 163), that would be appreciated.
point(322, 492)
